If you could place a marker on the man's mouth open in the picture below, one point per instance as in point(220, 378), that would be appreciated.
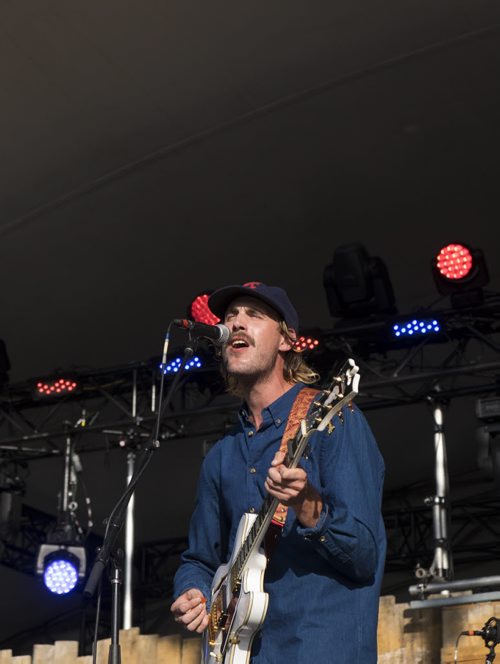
point(238, 344)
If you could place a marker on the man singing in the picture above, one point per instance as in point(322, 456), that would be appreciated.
point(323, 577)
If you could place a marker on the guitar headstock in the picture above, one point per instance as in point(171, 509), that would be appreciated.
point(342, 389)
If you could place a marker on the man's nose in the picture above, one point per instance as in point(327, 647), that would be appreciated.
point(238, 322)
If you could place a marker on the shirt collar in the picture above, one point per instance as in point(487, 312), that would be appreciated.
point(277, 412)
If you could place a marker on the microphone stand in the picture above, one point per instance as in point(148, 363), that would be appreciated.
point(108, 551)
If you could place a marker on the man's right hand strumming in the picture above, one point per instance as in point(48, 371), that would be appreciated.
point(190, 610)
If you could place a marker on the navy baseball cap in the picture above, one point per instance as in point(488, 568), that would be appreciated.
point(274, 296)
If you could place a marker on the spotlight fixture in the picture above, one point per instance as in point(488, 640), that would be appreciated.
point(62, 566)
point(200, 312)
point(454, 261)
point(461, 272)
point(62, 558)
point(357, 284)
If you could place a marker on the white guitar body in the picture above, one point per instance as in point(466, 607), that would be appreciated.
point(245, 610)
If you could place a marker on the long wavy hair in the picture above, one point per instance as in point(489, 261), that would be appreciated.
point(295, 369)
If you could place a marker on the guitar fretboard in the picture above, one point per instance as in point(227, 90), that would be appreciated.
point(264, 516)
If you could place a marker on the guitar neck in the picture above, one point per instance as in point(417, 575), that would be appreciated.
point(264, 516)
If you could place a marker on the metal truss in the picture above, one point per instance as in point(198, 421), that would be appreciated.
point(115, 406)
point(462, 360)
point(19, 542)
point(120, 403)
point(474, 533)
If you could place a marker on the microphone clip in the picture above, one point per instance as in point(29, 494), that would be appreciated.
point(489, 634)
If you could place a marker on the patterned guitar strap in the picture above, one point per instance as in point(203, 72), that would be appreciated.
point(298, 411)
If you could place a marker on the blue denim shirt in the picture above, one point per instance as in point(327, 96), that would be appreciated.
point(323, 582)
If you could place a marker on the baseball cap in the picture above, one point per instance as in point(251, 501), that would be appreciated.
point(274, 296)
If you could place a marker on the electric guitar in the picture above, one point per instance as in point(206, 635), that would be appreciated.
point(238, 602)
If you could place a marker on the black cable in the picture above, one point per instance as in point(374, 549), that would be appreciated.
point(96, 624)
point(455, 653)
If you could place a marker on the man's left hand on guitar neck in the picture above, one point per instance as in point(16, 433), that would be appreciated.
point(290, 487)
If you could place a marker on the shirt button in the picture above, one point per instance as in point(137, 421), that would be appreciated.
point(250, 433)
point(278, 420)
point(252, 510)
point(253, 470)
point(322, 538)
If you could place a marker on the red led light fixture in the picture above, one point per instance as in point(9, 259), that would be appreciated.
point(454, 261)
point(56, 387)
point(306, 343)
point(199, 310)
point(460, 271)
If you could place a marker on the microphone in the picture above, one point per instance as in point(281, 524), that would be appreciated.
point(489, 633)
point(219, 334)
point(473, 632)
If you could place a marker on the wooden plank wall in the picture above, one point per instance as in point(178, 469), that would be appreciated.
point(135, 648)
point(427, 636)
point(405, 636)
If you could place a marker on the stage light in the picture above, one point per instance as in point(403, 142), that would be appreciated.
point(56, 387)
point(61, 566)
point(357, 284)
point(200, 312)
point(415, 327)
point(174, 366)
point(61, 574)
point(306, 343)
point(461, 272)
point(454, 261)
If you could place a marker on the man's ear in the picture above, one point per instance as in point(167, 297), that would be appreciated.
point(286, 344)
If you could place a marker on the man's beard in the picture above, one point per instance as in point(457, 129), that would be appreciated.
point(240, 382)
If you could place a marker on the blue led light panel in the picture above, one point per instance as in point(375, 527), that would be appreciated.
point(415, 327)
point(174, 366)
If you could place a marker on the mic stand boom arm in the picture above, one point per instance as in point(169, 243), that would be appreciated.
point(115, 521)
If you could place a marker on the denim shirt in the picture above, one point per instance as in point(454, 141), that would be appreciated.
point(323, 582)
